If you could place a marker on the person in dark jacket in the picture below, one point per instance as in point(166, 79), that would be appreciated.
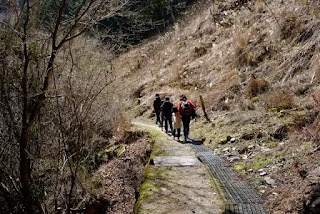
point(167, 114)
point(157, 107)
point(186, 109)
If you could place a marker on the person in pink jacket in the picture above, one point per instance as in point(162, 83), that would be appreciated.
point(176, 119)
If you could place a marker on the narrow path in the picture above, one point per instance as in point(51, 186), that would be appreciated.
point(176, 189)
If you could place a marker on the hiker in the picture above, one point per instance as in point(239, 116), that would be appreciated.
point(176, 119)
point(167, 114)
point(157, 107)
point(185, 108)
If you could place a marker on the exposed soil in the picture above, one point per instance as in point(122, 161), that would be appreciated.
point(121, 178)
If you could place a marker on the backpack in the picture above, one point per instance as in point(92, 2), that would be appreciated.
point(186, 108)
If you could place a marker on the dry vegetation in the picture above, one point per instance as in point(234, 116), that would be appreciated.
point(256, 63)
point(57, 119)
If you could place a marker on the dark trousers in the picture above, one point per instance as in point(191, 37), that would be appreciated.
point(166, 121)
point(186, 125)
point(178, 132)
point(158, 117)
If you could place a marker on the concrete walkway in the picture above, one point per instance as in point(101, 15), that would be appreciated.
point(175, 188)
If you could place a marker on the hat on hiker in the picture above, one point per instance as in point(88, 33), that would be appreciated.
point(167, 98)
point(157, 95)
point(182, 97)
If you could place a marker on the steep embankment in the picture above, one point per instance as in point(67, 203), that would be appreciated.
point(256, 63)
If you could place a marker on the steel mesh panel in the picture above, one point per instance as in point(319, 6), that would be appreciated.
point(239, 198)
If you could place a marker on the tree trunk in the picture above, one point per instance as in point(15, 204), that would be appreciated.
point(23, 141)
point(25, 171)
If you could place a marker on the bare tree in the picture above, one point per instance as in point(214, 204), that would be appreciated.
point(29, 75)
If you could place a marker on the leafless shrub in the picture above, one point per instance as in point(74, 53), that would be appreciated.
point(121, 127)
point(280, 98)
point(250, 48)
point(137, 93)
point(256, 86)
point(199, 51)
point(259, 6)
point(296, 25)
point(52, 104)
point(302, 119)
point(241, 50)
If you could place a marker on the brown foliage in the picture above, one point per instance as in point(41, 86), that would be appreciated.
point(256, 86)
point(122, 127)
point(122, 176)
point(259, 6)
point(280, 98)
point(295, 26)
point(200, 51)
point(241, 50)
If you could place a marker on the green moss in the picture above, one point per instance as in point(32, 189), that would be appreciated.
point(239, 167)
point(150, 187)
point(218, 188)
point(260, 161)
point(255, 180)
point(301, 113)
point(121, 150)
point(206, 131)
point(279, 154)
point(111, 148)
point(271, 144)
point(255, 99)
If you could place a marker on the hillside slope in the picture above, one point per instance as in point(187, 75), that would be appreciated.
point(256, 63)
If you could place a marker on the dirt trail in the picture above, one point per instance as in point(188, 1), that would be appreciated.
point(174, 189)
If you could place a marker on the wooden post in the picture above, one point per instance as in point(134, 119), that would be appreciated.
point(204, 108)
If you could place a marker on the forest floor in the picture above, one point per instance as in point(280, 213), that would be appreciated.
point(176, 189)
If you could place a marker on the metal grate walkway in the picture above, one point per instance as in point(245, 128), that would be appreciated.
point(239, 198)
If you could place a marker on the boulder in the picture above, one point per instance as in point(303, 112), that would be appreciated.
point(270, 181)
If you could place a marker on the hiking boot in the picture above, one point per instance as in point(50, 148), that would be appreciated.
point(178, 139)
point(161, 129)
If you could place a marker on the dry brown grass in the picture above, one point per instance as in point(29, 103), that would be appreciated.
point(276, 43)
point(296, 25)
point(122, 126)
point(315, 68)
point(280, 98)
point(259, 6)
point(199, 51)
point(222, 93)
point(242, 56)
point(256, 86)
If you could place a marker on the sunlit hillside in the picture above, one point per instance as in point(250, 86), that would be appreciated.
point(256, 64)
